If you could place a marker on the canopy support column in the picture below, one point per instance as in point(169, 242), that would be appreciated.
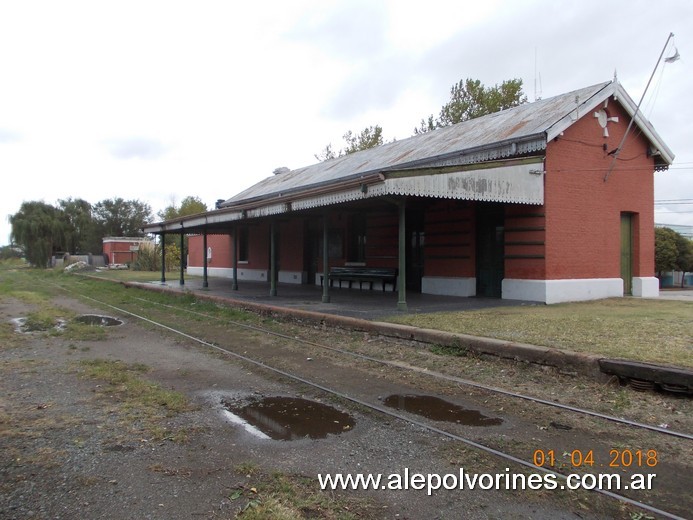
point(182, 253)
point(235, 259)
point(205, 259)
point(163, 257)
point(402, 272)
point(325, 258)
point(273, 258)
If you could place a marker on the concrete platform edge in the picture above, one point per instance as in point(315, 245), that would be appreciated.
point(581, 363)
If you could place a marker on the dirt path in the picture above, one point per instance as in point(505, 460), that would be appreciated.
point(75, 447)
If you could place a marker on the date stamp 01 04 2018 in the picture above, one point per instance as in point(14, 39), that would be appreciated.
point(618, 458)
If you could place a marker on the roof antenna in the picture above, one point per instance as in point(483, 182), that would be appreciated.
point(617, 150)
point(537, 93)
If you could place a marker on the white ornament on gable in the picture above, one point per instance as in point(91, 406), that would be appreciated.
point(604, 119)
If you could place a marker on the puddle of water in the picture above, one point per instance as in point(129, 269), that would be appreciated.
point(19, 324)
point(288, 418)
point(24, 326)
point(95, 319)
point(438, 409)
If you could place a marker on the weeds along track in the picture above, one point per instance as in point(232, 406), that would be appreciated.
point(148, 306)
point(433, 374)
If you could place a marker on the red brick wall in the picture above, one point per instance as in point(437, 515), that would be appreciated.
point(525, 242)
point(583, 212)
point(291, 245)
point(222, 250)
point(382, 238)
point(450, 239)
point(195, 250)
point(119, 252)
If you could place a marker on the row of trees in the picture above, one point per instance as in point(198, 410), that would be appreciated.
point(673, 252)
point(75, 226)
point(469, 99)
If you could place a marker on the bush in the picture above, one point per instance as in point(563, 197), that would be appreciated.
point(10, 252)
point(149, 259)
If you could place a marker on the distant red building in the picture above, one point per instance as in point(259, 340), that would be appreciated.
point(544, 202)
point(124, 250)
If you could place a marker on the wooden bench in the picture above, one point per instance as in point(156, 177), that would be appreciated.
point(362, 274)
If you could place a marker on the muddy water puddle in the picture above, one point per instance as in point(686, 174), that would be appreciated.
point(29, 324)
point(437, 409)
point(97, 320)
point(288, 418)
point(25, 325)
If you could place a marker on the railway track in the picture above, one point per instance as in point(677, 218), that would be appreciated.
point(376, 407)
point(438, 375)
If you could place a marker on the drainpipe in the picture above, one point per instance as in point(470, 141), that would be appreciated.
point(402, 272)
point(325, 259)
point(273, 258)
point(235, 258)
point(182, 252)
point(204, 260)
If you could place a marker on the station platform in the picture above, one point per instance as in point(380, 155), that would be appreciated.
point(355, 303)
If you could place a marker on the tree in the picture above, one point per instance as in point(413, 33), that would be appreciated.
point(684, 256)
point(673, 252)
point(327, 153)
point(121, 218)
point(80, 229)
point(189, 206)
point(369, 137)
point(470, 99)
point(665, 250)
point(39, 229)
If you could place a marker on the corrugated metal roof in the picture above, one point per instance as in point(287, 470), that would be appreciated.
point(525, 122)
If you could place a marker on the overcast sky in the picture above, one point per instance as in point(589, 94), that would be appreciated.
point(158, 100)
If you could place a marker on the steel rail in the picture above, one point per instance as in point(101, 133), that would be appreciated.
point(440, 375)
point(385, 411)
point(374, 407)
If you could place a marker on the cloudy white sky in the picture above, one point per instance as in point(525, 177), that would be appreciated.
point(158, 100)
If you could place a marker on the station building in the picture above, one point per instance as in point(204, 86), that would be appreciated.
point(550, 201)
point(124, 250)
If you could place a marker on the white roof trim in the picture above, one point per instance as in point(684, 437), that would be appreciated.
point(520, 183)
point(616, 90)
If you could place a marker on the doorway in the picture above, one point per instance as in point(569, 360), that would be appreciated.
point(627, 252)
point(311, 247)
point(490, 250)
point(414, 225)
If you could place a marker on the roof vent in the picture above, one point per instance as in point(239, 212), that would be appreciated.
point(280, 170)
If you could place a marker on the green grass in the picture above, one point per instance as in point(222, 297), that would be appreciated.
point(126, 275)
point(657, 331)
point(142, 401)
point(291, 497)
point(12, 263)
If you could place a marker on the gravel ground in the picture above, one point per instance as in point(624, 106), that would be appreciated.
point(72, 450)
